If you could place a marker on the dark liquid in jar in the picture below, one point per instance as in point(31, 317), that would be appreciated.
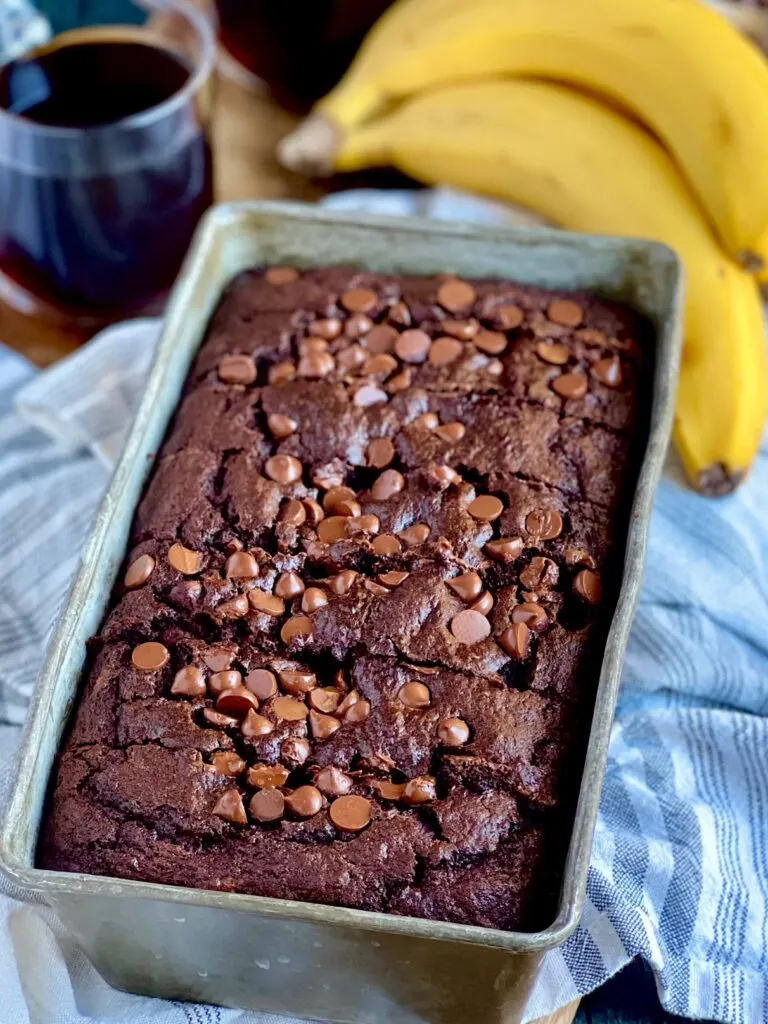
point(100, 224)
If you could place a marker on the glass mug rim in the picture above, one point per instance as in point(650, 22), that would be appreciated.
point(204, 66)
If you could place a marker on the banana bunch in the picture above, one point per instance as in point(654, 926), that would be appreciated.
point(646, 118)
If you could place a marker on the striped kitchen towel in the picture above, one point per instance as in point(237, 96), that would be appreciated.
point(679, 873)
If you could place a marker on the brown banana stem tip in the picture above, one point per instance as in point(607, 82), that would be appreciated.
point(311, 148)
point(718, 480)
point(752, 262)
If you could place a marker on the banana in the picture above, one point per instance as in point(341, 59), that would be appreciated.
point(584, 166)
point(760, 252)
point(676, 65)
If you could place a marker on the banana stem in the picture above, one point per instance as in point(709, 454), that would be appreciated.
point(311, 148)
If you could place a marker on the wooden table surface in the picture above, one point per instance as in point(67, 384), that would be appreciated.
point(246, 127)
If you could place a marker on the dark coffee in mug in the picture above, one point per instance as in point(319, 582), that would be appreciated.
point(105, 169)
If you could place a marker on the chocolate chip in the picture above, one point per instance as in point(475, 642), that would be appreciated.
point(540, 574)
point(328, 328)
point(350, 699)
point(358, 712)
point(377, 589)
point(297, 683)
point(359, 300)
point(570, 386)
point(293, 512)
point(262, 683)
point(267, 776)
point(335, 495)
point(470, 627)
point(413, 345)
point(492, 342)
point(189, 682)
point(217, 719)
point(235, 608)
point(445, 351)
point(532, 615)
point(358, 325)
point(268, 604)
point(483, 604)
point(227, 762)
point(237, 369)
point(218, 658)
point(313, 510)
point(289, 585)
point(297, 626)
point(516, 640)
point(281, 426)
point(587, 586)
point(428, 420)
point(350, 813)
point(138, 572)
point(283, 469)
point(552, 353)
point(464, 330)
point(578, 556)
point(455, 295)
point(380, 366)
point(387, 485)
point(342, 583)
point(289, 709)
point(363, 524)
point(241, 565)
point(281, 275)
point(369, 395)
point(505, 549)
point(316, 365)
point(351, 357)
point(226, 679)
point(305, 802)
point(322, 726)
point(267, 805)
point(333, 781)
point(565, 312)
point(420, 790)
point(295, 750)
point(608, 372)
point(467, 586)
point(392, 579)
point(544, 523)
point(508, 316)
point(184, 560)
point(229, 806)
point(236, 702)
point(485, 508)
point(400, 381)
point(324, 699)
point(451, 432)
point(399, 314)
point(381, 338)
point(379, 453)
point(255, 726)
point(415, 535)
point(452, 732)
point(444, 476)
point(332, 529)
point(389, 790)
point(414, 695)
point(313, 599)
point(386, 545)
point(150, 656)
point(280, 373)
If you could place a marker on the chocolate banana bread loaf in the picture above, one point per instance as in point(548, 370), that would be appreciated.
point(352, 654)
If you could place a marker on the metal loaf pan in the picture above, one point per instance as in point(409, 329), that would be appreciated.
point(283, 956)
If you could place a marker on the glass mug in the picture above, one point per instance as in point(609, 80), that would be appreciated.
point(105, 164)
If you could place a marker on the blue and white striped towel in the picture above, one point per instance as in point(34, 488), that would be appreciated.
point(679, 872)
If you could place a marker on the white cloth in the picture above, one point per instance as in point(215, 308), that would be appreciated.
point(679, 872)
